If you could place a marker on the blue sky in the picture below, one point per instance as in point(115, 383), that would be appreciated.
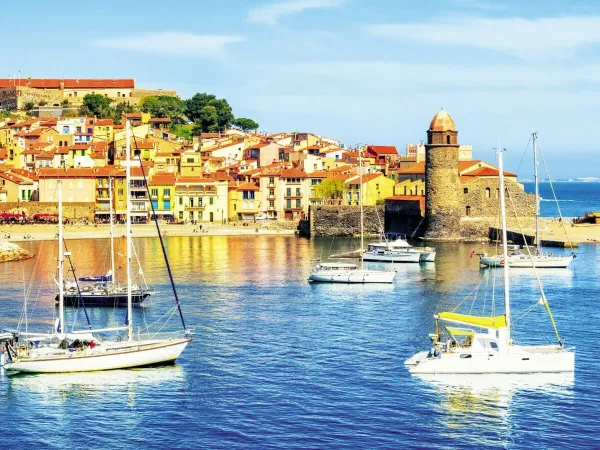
point(360, 71)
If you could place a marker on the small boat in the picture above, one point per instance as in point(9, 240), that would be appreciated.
point(483, 345)
point(398, 250)
point(537, 258)
point(348, 273)
point(61, 351)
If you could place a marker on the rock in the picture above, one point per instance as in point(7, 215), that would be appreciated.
point(10, 251)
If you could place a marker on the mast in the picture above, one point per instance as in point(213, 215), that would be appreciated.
point(128, 228)
point(537, 195)
point(61, 277)
point(362, 245)
point(504, 246)
point(112, 234)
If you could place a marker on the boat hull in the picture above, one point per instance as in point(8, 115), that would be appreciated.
point(540, 262)
point(125, 355)
point(395, 257)
point(110, 300)
point(358, 276)
point(535, 359)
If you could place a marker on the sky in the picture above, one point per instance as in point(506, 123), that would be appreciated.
point(356, 70)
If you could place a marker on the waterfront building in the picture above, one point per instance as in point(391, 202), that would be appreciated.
point(199, 199)
point(79, 185)
point(162, 195)
point(244, 200)
point(16, 187)
point(375, 188)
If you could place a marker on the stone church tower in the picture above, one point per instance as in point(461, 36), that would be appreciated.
point(442, 205)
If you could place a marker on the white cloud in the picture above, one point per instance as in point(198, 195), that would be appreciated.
point(269, 14)
point(172, 43)
point(483, 5)
point(542, 38)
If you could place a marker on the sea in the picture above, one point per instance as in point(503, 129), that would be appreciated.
point(574, 198)
point(280, 363)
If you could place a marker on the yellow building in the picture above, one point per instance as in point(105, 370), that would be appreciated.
point(191, 164)
point(374, 189)
point(201, 200)
point(244, 201)
point(16, 187)
point(103, 130)
point(162, 195)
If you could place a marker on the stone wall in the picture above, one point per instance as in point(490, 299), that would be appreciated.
point(138, 94)
point(441, 190)
point(76, 211)
point(344, 220)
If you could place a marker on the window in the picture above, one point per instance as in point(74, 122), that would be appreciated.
point(288, 192)
point(271, 203)
point(120, 203)
point(497, 192)
point(298, 194)
point(155, 204)
point(210, 201)
point(271, 192)
point(166, 193)
point(288, 203)
point(191, 202)
point(488, 192)
point(447, 139)
point(121, 190)
point(180, 201)
point(466, 190)
point(271, 180)
point(190, 160)
point(468, 211)
point(298, 203)
point(154, 192)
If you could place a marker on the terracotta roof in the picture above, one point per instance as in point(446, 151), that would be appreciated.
point(344, 168)
point(15, 178)
point(463, 165)
point(209, 135)
point(142, 144)
point(221, 176)
point(25, 173)
point(191, 180)
point(487, 172)
point(69, 83)
point(383, 149)
point(442, 122)
point(418, 168)
point(163, 179)
point(159, 120)
point(247, 186)
point(293, 173)
point(103, 122)
point(3, 153)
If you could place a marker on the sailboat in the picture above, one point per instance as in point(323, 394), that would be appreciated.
point(85, 350)
point(103, 290)
point(518, 258)
point(347, 272)
point(483, 345)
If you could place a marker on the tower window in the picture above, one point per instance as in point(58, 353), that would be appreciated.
point(466, 190)
point(468, 211)
point(488, 192)
point(447, 139)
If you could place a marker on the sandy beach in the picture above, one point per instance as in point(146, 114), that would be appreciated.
point(553, 230)
point(24, 233)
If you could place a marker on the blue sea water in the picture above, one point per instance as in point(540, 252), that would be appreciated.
point(278, 363)
point(574, 198)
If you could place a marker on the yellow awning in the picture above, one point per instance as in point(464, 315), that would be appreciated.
point(460, 331)
point(485, 322)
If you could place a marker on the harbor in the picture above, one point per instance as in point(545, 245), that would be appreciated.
point(272, 353)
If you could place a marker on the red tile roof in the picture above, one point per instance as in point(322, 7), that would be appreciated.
point(382, 149)
point(418, 168)
point(163, 179)
point(487, 172)
point(69, 83)
point(365, 178)
point(103, 122)
point(247, 186)
point(293, 173)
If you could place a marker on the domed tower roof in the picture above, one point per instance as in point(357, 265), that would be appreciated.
point(442, 122)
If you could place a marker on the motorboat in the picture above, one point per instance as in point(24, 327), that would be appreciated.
point(398, 250)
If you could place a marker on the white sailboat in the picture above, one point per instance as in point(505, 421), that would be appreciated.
point(539, 259)
point(84, 351)
point(486, 345)
point(350, 273)
point(398, 251)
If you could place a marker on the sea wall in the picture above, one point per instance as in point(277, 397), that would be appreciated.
point(344, 220)
point(72, 211)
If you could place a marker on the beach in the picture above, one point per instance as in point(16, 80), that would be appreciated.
point(29, 232)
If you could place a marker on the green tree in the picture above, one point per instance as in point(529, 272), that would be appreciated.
point(42, 103)
point(163, 106)
point(28, 106)
point(96, 105)
point(65, 102)
point(209, 119)
point(120, 109)
point(330, 189)
point(196, 129)
point(245, 124)
point(196, 109)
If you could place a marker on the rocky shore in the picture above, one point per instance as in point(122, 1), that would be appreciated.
point(10, 251)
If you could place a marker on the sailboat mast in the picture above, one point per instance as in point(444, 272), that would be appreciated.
point(128, 228)
point(362, 245)
point(537, 195)
point(504, 245)
point(61, 277)
point(112, 234)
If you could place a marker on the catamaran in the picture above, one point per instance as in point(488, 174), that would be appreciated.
point(481, 345)
point(86, 350)
point(350, 273)
point(516, 257)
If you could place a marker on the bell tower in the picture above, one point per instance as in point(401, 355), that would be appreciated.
point(441, 179)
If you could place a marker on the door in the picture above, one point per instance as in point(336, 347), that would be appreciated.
point(211, 217)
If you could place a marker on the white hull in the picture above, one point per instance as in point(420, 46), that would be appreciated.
point(526, 359)
point(352, 276)
point(396, 257)
point(118, 355)
point(524, 261)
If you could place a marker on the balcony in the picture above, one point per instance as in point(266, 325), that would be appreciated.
point(293, 208)
point(271, 208)
point(271, 185)
point(271, 196)
point(102, 198)
point(138, 197)
point(292, 196)
point(194, 208)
